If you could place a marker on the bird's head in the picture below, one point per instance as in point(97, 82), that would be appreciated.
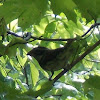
point(37, 52)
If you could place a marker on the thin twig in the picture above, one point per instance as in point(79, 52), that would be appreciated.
point(25, 73)
point(94, 25)
point(93, 60)
point(47, 39)
point(14, 34)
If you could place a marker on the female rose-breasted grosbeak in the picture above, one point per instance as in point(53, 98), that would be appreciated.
point(53, 59)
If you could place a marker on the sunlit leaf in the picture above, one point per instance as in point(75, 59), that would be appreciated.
point(3, 71)
point(34, 74)
point(39, 67)
point(21, 60)
point(21, 85)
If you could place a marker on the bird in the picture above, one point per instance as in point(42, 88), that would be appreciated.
point(53, 59)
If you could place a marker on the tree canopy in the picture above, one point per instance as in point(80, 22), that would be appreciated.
point(50, 25)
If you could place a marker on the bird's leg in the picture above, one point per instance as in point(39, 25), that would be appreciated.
point(52, 73)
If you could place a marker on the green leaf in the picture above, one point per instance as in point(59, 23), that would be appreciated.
point(65, 6)
point(6, 89)
point(42, 88)
point(3, 60)
point(2, 27)
point(16, 65)
point(9, 81)
point(21, 60)
point(89, 8)
point(50, 28)
point(39, 67)
point(34, 73)
point(2, 48)
point(2, 70)
point(87, 64)
point(96, 94)
point(27, 12)
point(45, 86)
point(21, 85)
point(13, 45)
point(93, 84)
point(70, 28)
point(39, 29)
point(61, 31)
point(16, 40)
point(1, 77)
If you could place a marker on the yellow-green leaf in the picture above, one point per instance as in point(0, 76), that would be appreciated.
point(34, 73)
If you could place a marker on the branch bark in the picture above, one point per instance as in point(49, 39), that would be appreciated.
point(76, 61)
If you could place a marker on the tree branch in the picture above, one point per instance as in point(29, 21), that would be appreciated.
point(47, 39)
point(94, 25)
point(76, 61)
point(14, 34)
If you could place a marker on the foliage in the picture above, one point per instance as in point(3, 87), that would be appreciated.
point(21, 77)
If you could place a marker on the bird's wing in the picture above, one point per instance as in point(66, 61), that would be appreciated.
point(50, 55)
